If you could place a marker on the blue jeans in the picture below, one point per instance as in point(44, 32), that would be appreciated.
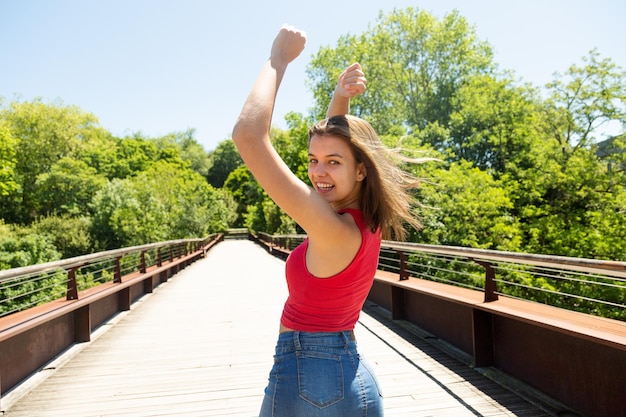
point(320, 375)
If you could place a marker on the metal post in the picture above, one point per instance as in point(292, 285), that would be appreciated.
point(72, 285)
point(117, 271)
point(404, 272)
point(490, 281)
point(142, 262)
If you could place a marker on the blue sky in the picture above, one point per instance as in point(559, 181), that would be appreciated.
point(156, 66)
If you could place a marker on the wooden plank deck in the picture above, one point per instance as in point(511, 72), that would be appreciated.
point(202, 345)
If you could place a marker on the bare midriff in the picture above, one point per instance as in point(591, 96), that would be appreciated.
point(284, 329)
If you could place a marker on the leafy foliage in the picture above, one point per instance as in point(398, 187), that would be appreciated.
point(158, 204)
point(414, 65)
point(19, 247)
point(69, 235)
point(222, 161)
point(467, 207)
point(8, 162)
point(73, 188)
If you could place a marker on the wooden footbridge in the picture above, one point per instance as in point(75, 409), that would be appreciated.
point(201, 344)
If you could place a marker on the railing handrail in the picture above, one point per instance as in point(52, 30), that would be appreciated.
point(554, 280)
point(84, 259)
point(605, 267)
point(610, 268)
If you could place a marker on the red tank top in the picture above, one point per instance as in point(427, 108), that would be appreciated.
point(330, 304)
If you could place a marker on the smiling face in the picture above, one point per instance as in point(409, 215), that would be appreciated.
point(333, 171)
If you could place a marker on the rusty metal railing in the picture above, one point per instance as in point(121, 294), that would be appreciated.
point(591, 286)
point(49, 307)
point(27, 287)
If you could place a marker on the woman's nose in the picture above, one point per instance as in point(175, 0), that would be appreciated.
point(318, 169)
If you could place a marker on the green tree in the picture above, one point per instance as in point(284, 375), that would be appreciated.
point(245, 191)
point(577, 210)
point(19, 247)
point(68, 188)
point(293, 145)
point(205, 210)
point(44, 134)
point(266, 216)
point(494, 124)
point(114, 207)
point(414, 64)
point(69, 235)
point(254, 207)
point(133, 155)
point(100, 153)
point(8, 162)
point(573, 200)
point(222, 161)
point(190, 150)
point(462, 205)
point(434, 80)
point(584, 100)
point(161, 203)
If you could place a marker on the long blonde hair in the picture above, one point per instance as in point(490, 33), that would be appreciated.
point(384, 200)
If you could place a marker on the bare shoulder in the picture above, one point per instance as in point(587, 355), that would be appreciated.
point(332, 250)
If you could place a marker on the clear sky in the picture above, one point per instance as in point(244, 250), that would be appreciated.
point(157, 66)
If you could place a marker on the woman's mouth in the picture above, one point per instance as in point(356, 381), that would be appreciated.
point(324, 187)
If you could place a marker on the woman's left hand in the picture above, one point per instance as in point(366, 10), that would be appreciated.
point(351, 82)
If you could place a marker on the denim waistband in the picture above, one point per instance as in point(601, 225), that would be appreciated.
point(299, 340)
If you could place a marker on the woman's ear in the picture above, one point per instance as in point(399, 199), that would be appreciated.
point(361, 172)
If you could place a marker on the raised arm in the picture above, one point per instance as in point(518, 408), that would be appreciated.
point(350, 84)
point(252, 138)
point(252, 127)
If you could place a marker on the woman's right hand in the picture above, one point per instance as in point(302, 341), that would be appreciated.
point(287, 45)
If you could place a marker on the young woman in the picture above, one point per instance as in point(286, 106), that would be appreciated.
point(357, 197)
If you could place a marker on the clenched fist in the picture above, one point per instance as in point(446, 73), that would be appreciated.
point(287, 45)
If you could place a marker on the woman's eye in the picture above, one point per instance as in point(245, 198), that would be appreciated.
point(312, 161)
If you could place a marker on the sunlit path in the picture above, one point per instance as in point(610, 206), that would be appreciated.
point(202, 344)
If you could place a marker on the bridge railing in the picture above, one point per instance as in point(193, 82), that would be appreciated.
point(49, 307)
point(590, 286)
point(30, 286)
